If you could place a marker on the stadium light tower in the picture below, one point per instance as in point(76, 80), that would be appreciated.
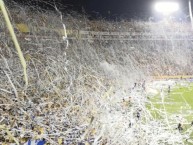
point(166, 7)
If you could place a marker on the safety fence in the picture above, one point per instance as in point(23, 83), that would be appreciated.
point(173, 77)
point(94, 35)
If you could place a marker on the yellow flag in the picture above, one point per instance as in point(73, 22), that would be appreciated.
point(60, 141)
point(23, 28)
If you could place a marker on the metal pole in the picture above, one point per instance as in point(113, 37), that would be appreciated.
point(14, 38)
point(190, 12)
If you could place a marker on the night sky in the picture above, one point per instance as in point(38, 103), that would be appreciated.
point(110, 9)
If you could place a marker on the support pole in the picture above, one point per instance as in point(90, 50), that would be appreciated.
point(190, 12)
point(14, 38)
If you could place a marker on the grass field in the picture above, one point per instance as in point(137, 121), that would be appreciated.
point(179, 102)
point(176, 105)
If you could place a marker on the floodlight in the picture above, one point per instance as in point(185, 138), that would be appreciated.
point(166, 8)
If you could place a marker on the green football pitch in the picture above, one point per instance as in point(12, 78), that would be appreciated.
point(176, 104)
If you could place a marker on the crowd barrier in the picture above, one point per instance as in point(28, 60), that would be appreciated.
point(86, 34)
point(173, 77)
